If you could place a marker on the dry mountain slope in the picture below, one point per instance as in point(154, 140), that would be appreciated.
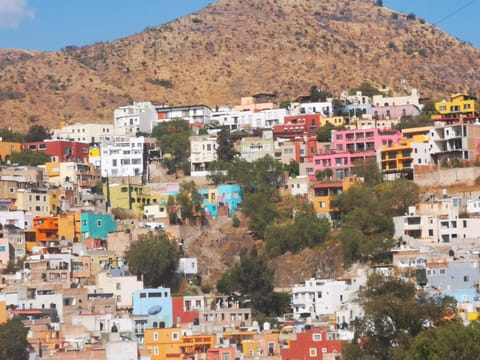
point(235, 48)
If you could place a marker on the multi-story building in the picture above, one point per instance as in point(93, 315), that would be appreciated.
point(6, 150)
point(35, 201)
point(297, 126)
point(412, 99)
point(82, 174)
point(236, 119)
point(97, 226)
point(83, 133)
point(319, 297)
point(139, 117)
point(313, 344)
point(46, 229)
point(401, 158)
point(60, 150)
point(458, 142)
point(122, 156)
point(257, 102)
point(156, 304)
point(191, 113)
point(121, 287)
point(203, 150)
point(394, 111)
point(459, 105)
point(254, 148)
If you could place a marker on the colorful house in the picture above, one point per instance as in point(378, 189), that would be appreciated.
point(173, 344)
point(97, 226)
point(459, 105)
point(313, 344)
point(69, 226)
point(60, 150)
point(156, 304)
point(230, 196)
point(6, 150)
point(46, 229)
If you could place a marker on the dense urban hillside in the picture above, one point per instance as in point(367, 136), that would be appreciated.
point(235, 48)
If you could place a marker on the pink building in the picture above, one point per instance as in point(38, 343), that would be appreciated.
point(351, 145)
point(394, 111)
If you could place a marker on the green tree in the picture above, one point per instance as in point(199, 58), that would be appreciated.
point(8, 135)
point(173, 138)
point(451, 341)
point(366, 88)
point(393, 315)
point(13, 340)
point(226, 147)
point(397, 195)
point(293, 168)
point(190, 201)
point(317, 94)
point(324, 133)
point(155, 256)
point(369, 170)
point(30, 158)
point(37, 133)
point(253, 280)
point(261, 209)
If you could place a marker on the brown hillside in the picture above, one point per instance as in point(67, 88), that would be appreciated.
point(236, 48)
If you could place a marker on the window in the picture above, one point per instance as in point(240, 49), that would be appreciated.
point(226, 356)
point(155, 336)
point(119, 286)
point(155, 350)
point(99, 222)
point(316, 337)
point(175, 336)
point(42, 146)
point(466, 278)
point(312, 352)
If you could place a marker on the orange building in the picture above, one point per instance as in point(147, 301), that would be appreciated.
point(69, 226)
point(169, 343)
point(3, 312)
point(46, 229)
point(7, 148)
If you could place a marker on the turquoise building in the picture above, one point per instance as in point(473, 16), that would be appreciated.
point(97, 226)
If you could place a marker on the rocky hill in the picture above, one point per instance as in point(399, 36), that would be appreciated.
point(235, 48)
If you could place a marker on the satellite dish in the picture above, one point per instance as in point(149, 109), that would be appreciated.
point(154, 310)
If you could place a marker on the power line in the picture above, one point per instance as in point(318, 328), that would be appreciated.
point(454, 12)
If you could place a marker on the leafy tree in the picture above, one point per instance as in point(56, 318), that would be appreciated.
point(10, 136)
point(37, 133)
point(368, 170)
point(324, 133)
point(451, 341)
point(261, 209)
point(366, 88)
point(318, 95)
point(155, 256)
point(293, 168)
point(394, 315)
point(30, 158)
point(225, 150)
point(13, 340)
point(189, 200)
point(253, 280)
point(414, 121)
point(306, 230)
point(173, 138)
point(397, 195)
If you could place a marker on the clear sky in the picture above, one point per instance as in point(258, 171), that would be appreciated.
point(50, 25)
point(459, 18)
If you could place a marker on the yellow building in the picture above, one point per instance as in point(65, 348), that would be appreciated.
point(69, 226)
point(399, 158)
point(325, 193)
point(169, 343)
point(7, 148)
point(3, 312)
point(459, 105)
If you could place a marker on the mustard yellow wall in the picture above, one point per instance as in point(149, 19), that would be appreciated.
point(3, 312)
point(465, 104)
point(52, 168)
point(69, 225)
point(334, 120)
point(95, 152)
point(7, 148)
point(164, 343)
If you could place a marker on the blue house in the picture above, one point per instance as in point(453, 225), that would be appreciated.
point(156, 304)
point(97, 226)
point(230, 195)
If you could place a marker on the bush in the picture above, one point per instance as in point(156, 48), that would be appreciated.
point(235, 221)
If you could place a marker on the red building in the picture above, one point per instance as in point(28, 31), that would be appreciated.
point(297, 126)
point(60, 150)
point(186, 309)
point(312, 344)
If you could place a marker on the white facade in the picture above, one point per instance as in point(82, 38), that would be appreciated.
point(412, 99)
point(19, 218)
point(155, 211)
point(297, 186)
point(203, 150)
point(139, 117)
point(122, 157)
point(420, 154)
point(324, 108)
point(188, 266)
point(190, 113)
point(84, 133)
point(317, 297)
point(235, 120)
point(121, 287)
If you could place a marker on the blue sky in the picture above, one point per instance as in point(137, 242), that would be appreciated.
point(50, 25)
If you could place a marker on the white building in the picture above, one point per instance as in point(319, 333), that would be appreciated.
point(190, 113)
point(203, 150)
point(254, 148)
point(84, 133)
point(235, 119)
point(121, 287)
point(412, 99)
point(122, 156)
point(139, 117)
point(319, 297)
point(188, 266)
point(19, 218)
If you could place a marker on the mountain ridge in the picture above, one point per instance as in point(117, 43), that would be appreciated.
point(236, 48)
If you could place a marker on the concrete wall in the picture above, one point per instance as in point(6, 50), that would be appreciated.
point(446, 177)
